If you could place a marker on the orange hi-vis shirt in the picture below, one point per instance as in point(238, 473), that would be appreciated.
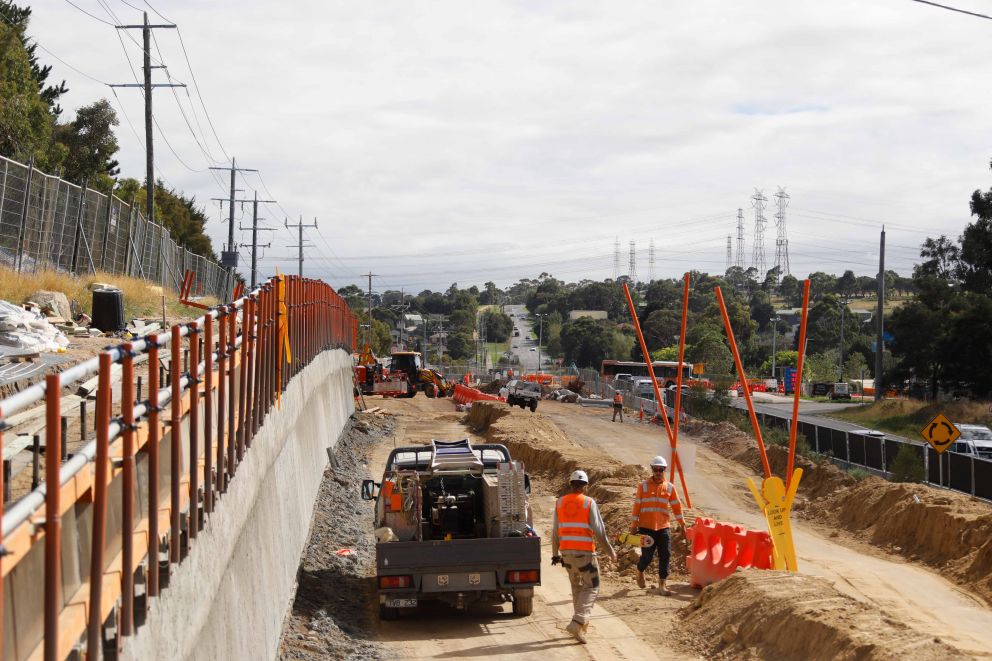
point(617, 398)
point(655, 505)
point(574, 531)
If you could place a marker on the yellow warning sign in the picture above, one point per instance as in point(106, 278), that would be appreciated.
point(940, 433)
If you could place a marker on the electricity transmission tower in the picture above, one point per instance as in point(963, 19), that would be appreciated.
point(651, 261)
point(740, 239)
point(758, 250)
point(616, 258)
point(781, 238)
point(633, 263)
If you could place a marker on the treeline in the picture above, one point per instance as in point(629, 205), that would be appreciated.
point(454, 311)
point(82, 149)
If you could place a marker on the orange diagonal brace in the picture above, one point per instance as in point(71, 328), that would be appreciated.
point(678, 379)
point(743, 379)
point(794, 428)
point(676, 464)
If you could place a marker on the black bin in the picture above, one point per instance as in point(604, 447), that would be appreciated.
point(108, 310)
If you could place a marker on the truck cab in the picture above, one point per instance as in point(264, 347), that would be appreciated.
point(453, 523)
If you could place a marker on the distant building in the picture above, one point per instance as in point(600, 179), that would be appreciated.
point(592, 314)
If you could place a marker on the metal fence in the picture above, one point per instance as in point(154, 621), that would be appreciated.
point(951, 470)
point(49, 223)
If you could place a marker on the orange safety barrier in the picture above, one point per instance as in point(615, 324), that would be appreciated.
point(719, 549)
point(192, 363)
point(466, 395)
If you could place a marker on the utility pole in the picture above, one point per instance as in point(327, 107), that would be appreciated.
point(229, 257)
point(370, 276)
point(774, 321)
point(254, 236)
point(840, 360)
point(880, 324)
point(300, 246)
point(147, 86)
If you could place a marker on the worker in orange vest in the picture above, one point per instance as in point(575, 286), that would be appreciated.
point(656, 503)
point(576, 528)
point(617, 406)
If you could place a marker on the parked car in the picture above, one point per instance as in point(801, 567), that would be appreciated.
point(532, 349)
point(975, 440)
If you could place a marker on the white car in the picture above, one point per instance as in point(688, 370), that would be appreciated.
point(532, 349)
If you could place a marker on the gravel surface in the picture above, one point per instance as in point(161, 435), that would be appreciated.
point(334, 614)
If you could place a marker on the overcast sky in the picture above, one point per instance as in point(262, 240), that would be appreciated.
point(440, 142)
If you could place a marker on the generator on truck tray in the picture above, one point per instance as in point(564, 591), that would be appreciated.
point(453, 523)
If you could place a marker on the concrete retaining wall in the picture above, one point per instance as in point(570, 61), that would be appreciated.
point(227, 600)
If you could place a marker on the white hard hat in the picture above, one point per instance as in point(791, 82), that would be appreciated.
point(579, 476)
point(659, 461)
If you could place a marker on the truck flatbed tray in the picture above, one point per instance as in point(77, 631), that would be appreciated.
point(459, 554)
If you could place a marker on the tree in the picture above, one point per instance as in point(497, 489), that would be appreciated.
point(791, 290)
point(847, 284)
point(498, 326)
point(587, 342)
point(25, 121)
point(711, 349)
point(18, 18)
point(91, 143)
point(460, 345)
point(661, 327)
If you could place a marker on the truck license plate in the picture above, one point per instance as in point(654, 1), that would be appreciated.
point(474, 579)
point(442, 580)
point(401, 603)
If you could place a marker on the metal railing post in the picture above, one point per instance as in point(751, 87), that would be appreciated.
point(24, 214)
point(221, 392)
point(53, 517)
point(243, 377)
point(194, 431)
point(127, 508)
point(175, 443)
point(154, 435)
point(94, 642)
point(232, 319)
point(208, 413)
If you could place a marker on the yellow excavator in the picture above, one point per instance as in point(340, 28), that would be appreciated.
point(420, 378)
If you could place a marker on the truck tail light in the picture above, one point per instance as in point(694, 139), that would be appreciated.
point(523, 576)
point(386, 582)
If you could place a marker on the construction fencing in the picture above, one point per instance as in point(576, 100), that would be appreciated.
point(131, 503)
point(49, 223)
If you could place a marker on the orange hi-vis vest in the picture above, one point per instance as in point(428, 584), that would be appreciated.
point(574, 531)
point(392, 497)
point(617, 398)
point(655, 505)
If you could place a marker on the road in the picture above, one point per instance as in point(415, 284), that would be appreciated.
point(813, 412)
point(629, 624)
point(521, 346)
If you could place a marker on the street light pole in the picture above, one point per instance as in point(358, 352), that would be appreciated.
point(840, 360)
point(540, 338)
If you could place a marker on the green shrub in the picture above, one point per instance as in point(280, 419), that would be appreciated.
point(858, 474)
point(907, 466)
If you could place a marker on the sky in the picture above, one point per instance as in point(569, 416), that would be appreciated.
point(464, 142)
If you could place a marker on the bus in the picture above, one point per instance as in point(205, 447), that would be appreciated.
point(666, 371)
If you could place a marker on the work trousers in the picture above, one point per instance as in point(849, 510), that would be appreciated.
point(583, 574)
point(663, 544)
point(617, 408)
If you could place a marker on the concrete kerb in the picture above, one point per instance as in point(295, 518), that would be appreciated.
point(228, 599)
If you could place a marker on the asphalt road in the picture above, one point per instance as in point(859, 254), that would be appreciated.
point(522, 345)
point(812, 412)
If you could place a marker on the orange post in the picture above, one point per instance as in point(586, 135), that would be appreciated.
point(154, 432)
point(678, 379)
point(232, 320)
point(743, 379)
point(127, 487)
point(221, 393)
point(208, 413)
point(94, 642)
point(193, 520)
point(794, 428)
point(175, 440)
point(53, 516)
point(676, 464)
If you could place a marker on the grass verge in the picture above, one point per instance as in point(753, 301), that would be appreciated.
point(908, 417)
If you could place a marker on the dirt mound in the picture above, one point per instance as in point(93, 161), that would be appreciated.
point(546, 450)
point(949, 531)
point(483, 414)
point(765, 614)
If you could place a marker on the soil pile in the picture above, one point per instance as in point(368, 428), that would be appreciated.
point(547, 451)
point(334, 612)
point(766, 614)
point(949, 531)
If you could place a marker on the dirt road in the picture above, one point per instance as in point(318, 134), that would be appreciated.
point(899, 609)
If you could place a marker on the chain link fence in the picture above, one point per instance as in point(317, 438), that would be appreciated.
point(49, 223)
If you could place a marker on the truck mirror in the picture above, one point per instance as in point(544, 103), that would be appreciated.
point(368, 489)
point(526, 483)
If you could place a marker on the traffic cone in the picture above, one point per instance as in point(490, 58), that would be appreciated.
point(641, 414)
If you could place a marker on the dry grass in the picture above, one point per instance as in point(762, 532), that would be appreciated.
point(141, 298)
point(908, 417)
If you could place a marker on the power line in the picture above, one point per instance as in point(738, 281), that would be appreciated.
point(93, 16)
point(948, 8)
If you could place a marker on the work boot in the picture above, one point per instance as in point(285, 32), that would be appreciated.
point(640, 579)
point(577, 630)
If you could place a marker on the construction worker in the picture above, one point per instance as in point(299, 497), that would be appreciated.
point(617, 406)
point(656, 503)
point(576, 528)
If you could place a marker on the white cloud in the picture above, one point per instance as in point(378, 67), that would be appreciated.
point(499, 140)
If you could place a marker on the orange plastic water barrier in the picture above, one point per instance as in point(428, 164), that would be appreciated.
point(314, 319)
point(719, 549)
point(466, 395)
